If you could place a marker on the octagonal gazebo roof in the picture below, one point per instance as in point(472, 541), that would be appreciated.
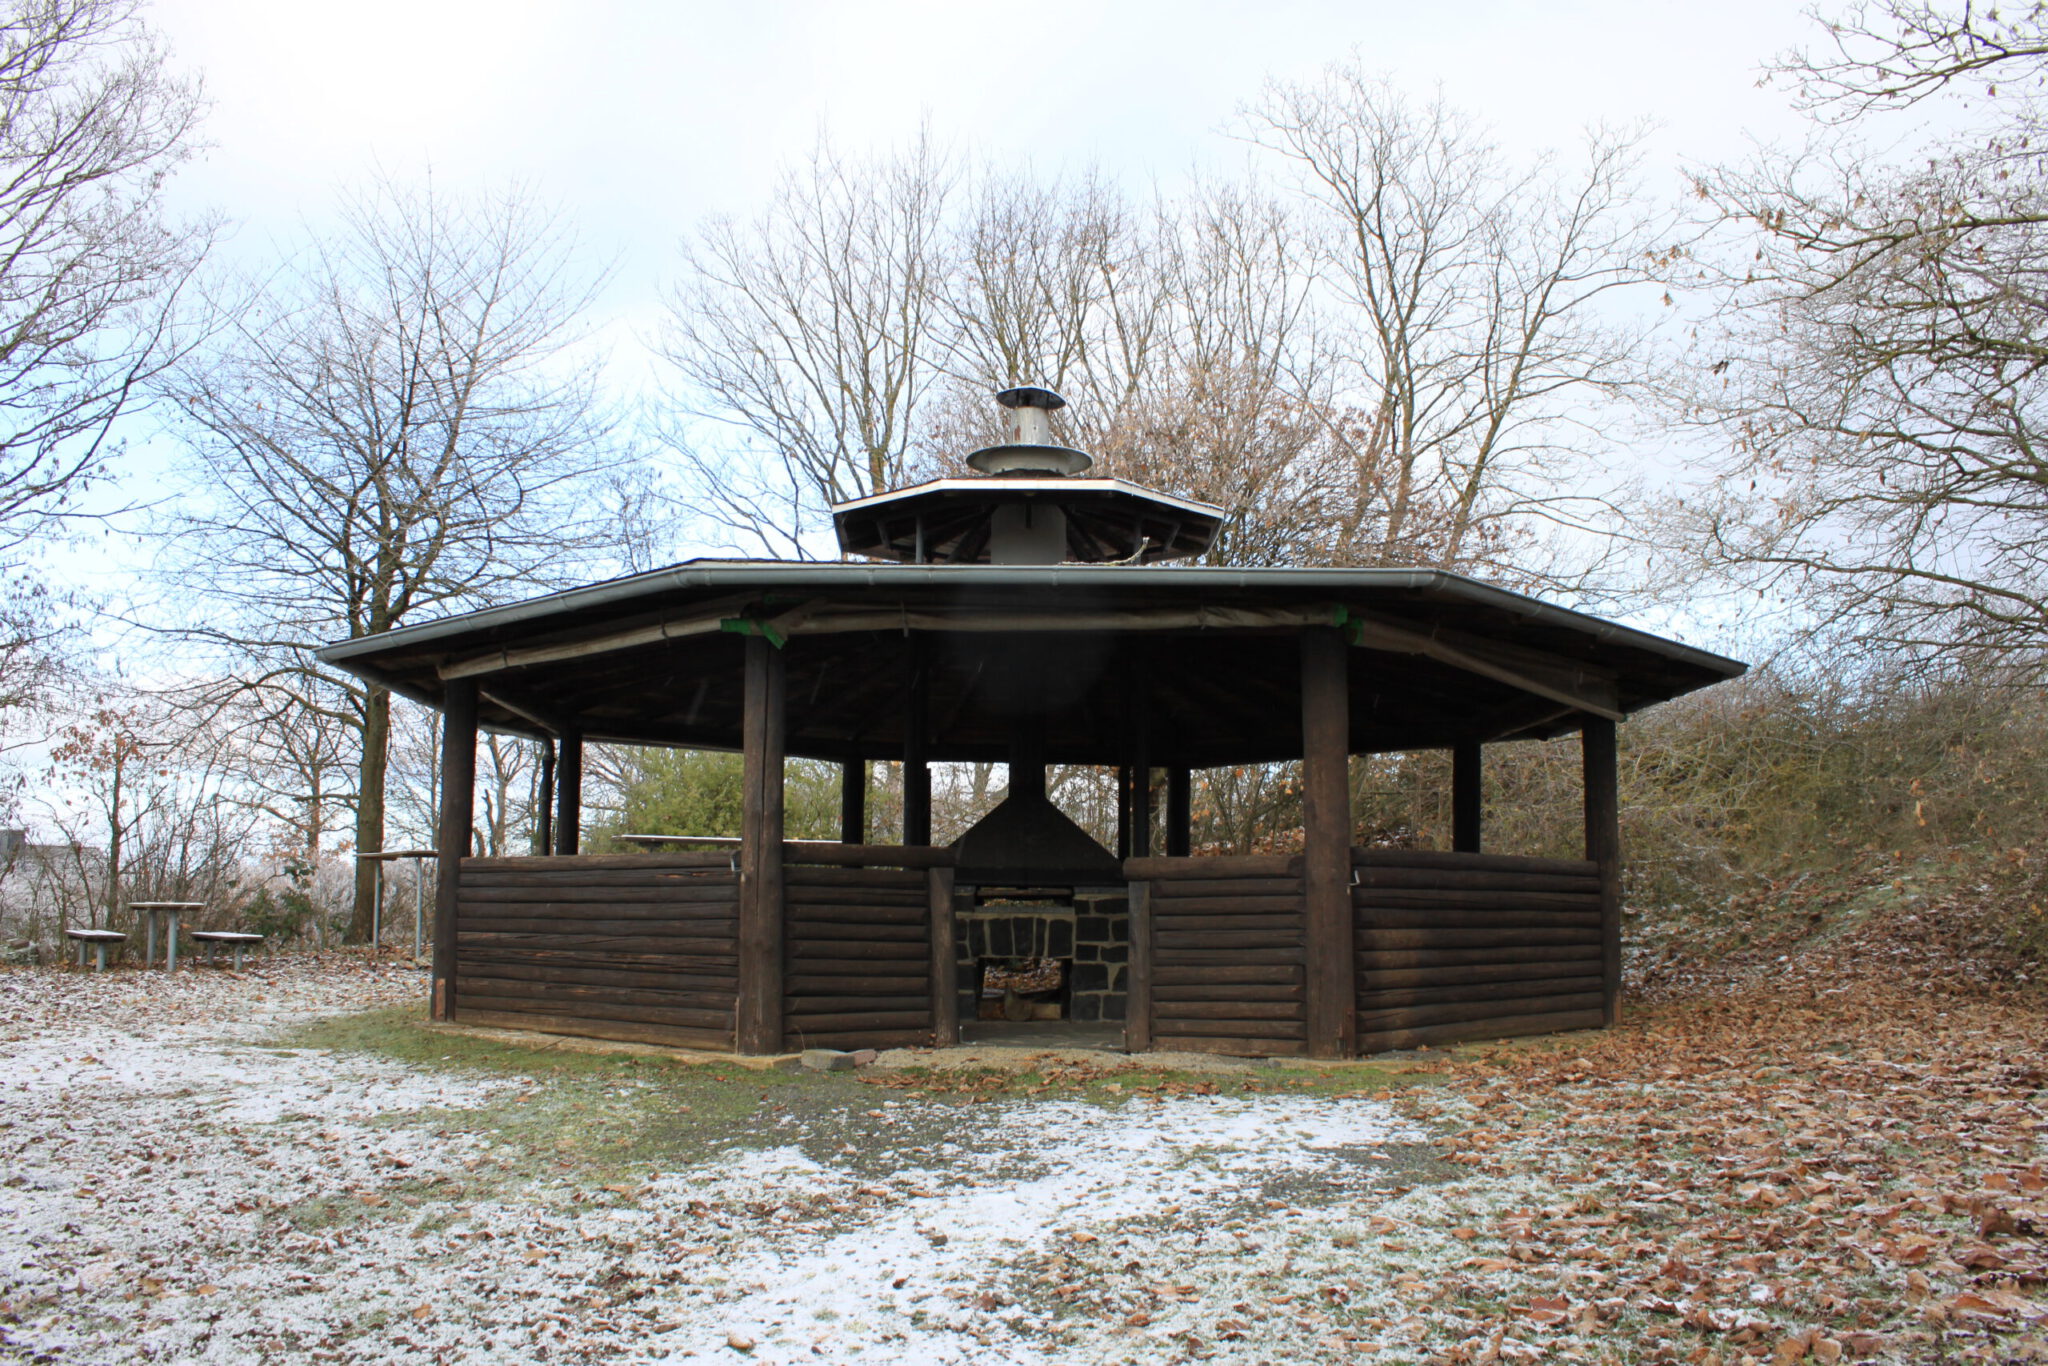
point(657, 658)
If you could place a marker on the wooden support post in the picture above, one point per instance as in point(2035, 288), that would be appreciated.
point(1141, 810)
point(458, 803)
point(1123, 811)
point(853, 802)
point(1138, 729)
point(1468, 797)
point(945, 949)
point(1326, 838)
point(1138, 991)
point(1603, 846)
point(917, 773)
point(544, 813)
point(1180, 811)
point(569, 793)
point(762, 737)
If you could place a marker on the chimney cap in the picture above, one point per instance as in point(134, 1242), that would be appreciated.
point(1031, 396)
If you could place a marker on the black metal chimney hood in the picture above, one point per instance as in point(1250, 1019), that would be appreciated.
point(1028, 842)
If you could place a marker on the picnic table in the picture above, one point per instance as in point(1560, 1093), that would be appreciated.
point(235, 939)
point(168, 912)
point(98, 939)
point(419, 895)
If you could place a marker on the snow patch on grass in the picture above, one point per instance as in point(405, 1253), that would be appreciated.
point(174, 1186)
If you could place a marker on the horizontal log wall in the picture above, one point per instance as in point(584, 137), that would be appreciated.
point(639, 947)
point(1454, 947)
point(857, 958)
point(1228, 955)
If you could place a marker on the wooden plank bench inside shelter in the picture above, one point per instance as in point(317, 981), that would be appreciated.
point(213, 939)
point(99, 940)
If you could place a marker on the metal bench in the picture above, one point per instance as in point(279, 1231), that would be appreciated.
point(213, 939)
point(99, 939)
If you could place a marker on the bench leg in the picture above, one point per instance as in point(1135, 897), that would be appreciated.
point(238, 958)
point(99, 958)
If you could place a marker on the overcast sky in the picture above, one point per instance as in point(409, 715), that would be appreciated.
point(641, 117)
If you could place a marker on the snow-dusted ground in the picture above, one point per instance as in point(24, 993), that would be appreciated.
point(173, 1190)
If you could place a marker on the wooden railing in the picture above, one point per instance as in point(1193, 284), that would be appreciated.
point(640, 947)
point(1218, 956)
point(645, 947)
point(860, 967)
point(1455, 947)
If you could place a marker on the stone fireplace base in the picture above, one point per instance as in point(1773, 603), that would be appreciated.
point(1090, 931)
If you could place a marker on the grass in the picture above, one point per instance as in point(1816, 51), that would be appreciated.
point(605, 1118)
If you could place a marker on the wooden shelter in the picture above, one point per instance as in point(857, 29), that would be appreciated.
point(1018, 616)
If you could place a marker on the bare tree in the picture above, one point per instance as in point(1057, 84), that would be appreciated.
point(111, 764)
point(92, 120)
point(507, 774)
point(808, 332)
point(1473, 292)
point(145, 800)
point(1893, 54)
point(293, 765)
point(396, 427)
point(1186, 337)
point(1054, 281)
point(1879, 368)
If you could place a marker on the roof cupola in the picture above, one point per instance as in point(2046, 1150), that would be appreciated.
point(1026, 504)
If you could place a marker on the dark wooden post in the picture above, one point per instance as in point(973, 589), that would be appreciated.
point(569, 793)
point(1326, 838)
point(1138, 989)
point(458, 811)
point(1138, 729)
point(1123, 811)
point(1141, 801)
point(853, 802)
point(544, 814)
point(1603, 846)
point(1468, 796)
point(760, 968)
point(1180, 811)
point(945, 949)
point(917, 773)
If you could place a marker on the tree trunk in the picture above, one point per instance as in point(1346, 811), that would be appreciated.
point(370, 810)
point(113, 887)
point(315, 815)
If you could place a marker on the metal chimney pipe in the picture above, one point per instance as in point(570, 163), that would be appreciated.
point(1032, 453)
point(1033, 426)
point(1031, 409)
point(1027, 757)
